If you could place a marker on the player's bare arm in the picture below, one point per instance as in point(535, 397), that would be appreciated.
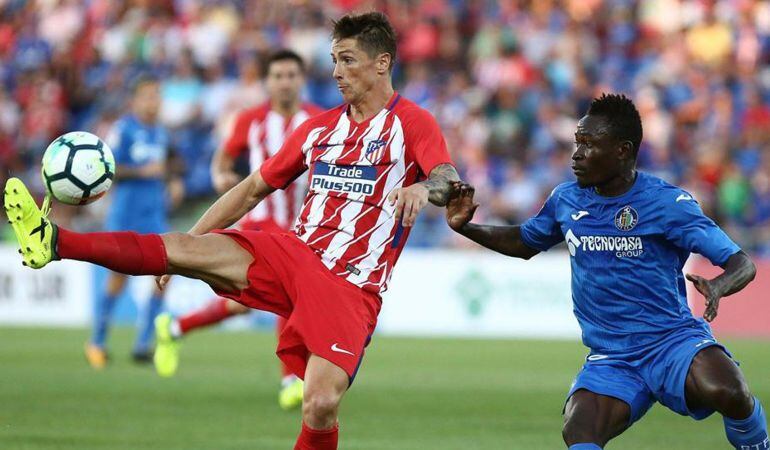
point(234, 204)
point(437, 189)
point(223, 176)
point(739, 271)
point(502, 239)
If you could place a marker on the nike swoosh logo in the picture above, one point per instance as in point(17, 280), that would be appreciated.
point(597, 357)
point(579, 215)
point(739, 430)
point(335, 348)
point(683, 197)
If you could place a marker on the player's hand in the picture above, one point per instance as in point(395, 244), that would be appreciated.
point(409, 201)
point(706, 287)
point(460, 209)
point(224, 181)
point(162, 281)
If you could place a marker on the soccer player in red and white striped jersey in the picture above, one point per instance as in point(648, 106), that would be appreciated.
point(258, 132)
point(373, 164)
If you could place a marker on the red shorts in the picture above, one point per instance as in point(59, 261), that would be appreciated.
point(326, 315)
point(264, 225)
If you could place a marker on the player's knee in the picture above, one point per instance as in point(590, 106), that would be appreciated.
point(319, 409)
point(574, 433)
point(732, 399)
point(181, 249)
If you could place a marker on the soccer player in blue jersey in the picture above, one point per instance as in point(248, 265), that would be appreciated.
point(140, 145)
point(628, 234)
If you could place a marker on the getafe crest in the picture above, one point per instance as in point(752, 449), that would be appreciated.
point(626, 218)
point(374, 150)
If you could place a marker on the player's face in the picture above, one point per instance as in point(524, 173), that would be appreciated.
point(284, 81)
point(354, 70)
point(147, 101)
point(597, 157)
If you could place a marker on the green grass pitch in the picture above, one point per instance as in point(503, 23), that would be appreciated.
point(410, 394)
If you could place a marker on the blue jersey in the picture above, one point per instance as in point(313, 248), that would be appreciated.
point(627, 254)
point(138, 204)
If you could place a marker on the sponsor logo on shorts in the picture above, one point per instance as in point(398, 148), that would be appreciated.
point(336, 348)
point(343, 179)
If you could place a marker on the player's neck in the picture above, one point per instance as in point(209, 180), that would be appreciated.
point(371, 104)
point(618, 185)
point(145, 118)
point(285, 109)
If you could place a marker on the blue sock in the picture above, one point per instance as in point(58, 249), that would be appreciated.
point(102, 312)
point(749, 433)
point(146, 331)
point(584, 447)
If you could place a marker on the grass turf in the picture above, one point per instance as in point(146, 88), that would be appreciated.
point(411, 394)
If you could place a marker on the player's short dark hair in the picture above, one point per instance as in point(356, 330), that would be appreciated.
point(622, 116)
point(284, 55)
point(372, 31)
point(143, 80)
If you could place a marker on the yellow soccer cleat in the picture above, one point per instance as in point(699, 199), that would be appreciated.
point(290, 395)
point(34, 232)
point(166, 357)
point(96, 356)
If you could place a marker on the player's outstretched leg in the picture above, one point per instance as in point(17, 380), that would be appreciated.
point(169, 331)
point(714, 382)
point(292, 387)
point(325, 385)
point(591, 420)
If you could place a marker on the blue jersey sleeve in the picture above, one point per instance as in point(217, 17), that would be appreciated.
point(542, 231)
point(688, 228)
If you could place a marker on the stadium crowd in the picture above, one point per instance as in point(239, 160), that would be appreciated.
point(506, 80)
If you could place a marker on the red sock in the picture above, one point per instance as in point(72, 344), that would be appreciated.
point(214, 312)
point(310, 439)
point(280, 323)
point(123, 251)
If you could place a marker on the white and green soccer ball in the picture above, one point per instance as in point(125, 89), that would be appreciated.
point(78, 168)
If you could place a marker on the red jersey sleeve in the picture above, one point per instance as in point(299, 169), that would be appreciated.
point(425, 142)
point(238, 140)
point(289, 163)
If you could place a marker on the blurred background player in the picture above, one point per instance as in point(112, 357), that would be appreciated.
point(258, 132)
point(138, 203)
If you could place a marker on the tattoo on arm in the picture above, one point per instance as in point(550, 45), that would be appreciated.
point(502, 239)
point(439, 183)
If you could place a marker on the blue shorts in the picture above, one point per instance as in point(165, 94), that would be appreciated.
point(658, 374)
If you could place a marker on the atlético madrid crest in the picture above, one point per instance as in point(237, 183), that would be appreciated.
point(374, 150)
point(626, 218)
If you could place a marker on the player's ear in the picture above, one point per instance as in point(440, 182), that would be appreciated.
point(383, 63)
point(626, 150)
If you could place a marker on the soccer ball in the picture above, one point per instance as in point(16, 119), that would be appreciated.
point(78, 168)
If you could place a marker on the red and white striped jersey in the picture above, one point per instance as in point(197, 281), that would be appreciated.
point(346, 218)
point(262, 131)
